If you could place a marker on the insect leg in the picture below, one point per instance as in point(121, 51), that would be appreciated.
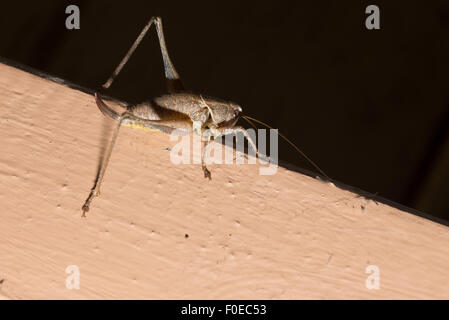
point(95, 191)
point(216, 132)
point(174, 83)
point(203, 162)
point(125, 59)
point(205, 139)
point(237, 129)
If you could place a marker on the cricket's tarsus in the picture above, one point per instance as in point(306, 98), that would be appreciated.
point(178, 112)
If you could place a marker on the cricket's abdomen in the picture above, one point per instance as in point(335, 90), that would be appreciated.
point(172, 110)
point(149, 116)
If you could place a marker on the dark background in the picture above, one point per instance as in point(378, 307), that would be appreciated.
point(371, 107)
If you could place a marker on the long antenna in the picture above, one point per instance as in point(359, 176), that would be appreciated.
point(247, 118)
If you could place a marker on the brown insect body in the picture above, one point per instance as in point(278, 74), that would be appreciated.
point(178, 111)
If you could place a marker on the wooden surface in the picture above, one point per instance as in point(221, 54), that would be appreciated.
point(285, 236)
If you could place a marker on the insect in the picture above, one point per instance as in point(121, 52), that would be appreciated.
point(178, 110)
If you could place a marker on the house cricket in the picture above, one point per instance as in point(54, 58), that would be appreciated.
point(177, 111)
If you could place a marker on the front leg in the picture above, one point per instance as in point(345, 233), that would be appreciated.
point(234, 130)
point(203, 163)
point(199, 119)
point(205, 139)
point(212, 133)
point(197, 127)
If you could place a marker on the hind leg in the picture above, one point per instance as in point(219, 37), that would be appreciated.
point(174, 83)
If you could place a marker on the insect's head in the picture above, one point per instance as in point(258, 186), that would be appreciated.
point(234, 111)
point(226, 114)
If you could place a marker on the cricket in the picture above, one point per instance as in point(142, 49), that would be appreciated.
point(177, 111)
